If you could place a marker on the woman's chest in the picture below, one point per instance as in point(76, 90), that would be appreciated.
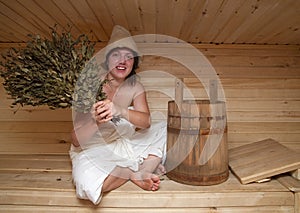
point(123, 96)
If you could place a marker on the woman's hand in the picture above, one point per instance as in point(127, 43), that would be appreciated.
point(102, 111)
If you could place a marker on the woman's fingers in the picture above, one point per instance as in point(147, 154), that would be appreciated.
point(101, 103)
point(104, 114)
point(102, 111)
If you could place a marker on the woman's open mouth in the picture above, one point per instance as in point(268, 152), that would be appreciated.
point(120, 68)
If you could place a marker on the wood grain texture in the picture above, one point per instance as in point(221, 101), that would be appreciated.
point(289, 182)
point(261, 84)
point(44, 182)
point(229, 22)
point(262, 159)
point(30, 209)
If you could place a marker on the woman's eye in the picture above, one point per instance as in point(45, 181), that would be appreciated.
point(115, 54)
point(128, 57)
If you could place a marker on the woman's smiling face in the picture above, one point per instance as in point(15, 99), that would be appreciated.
point(120, 62)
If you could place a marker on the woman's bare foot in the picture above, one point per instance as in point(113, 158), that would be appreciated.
point(160, 170)
point(146, 180)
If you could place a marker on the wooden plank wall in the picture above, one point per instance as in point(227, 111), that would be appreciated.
point(261, 85)
point(195, 21)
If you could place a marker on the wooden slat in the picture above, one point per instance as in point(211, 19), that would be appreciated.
point(36, 157)
point(39, 179)
point(222, 195)
point(31, 181)
point(177, 17)
point(264, 116)
point(73, 17)
point(208, 13)
point(236, 137)
point(35, 114)
point(297, 202)
point(230, 72)
point(249, 116)
point(270, 94)
point(250, 61)
point(148, 16)
point(155, 101)
point(43, 165)
point(243, 83)
point(264, 20)
point(247, 50)
point(236, 20)
point(9, 26)
point(155, 200)
point(264, 127)
point(292, 146)
point(221, 18)
point(164, 17)
point(17, 22)
point(261, 105)
point(59, 18)
point(59, 148)
point(190, 19)
point(236, 61)
point(281, 30)
point(257, 11)
point(103, 16)
point(38, 138)
point(89, 19)
point(117, 13)
point(244, 94)
point(289, 182)
point(271, 24)
point(31, 126)
point(29, 209)
point(131, 10)
point(27, 9)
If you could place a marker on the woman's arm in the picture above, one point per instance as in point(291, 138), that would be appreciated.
point(85, 126)
point(83, 133)
point(139, 116)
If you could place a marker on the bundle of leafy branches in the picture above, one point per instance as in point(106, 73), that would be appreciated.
point(46, 71)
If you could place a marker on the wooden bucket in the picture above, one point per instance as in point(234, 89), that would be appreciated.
point(197, 152)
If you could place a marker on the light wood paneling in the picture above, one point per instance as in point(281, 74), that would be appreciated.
point(194, 21)
point(261, 86)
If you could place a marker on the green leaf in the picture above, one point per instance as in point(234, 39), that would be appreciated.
point(46, 70)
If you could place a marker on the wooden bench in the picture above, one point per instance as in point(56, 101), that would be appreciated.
point(43, 182)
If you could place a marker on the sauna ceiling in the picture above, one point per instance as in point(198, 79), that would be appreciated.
point(193, 21)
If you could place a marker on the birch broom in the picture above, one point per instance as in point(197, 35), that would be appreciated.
point(46, 71)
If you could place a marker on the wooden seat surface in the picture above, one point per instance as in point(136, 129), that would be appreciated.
point(43, 182)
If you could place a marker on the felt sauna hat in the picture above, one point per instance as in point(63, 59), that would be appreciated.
point(121, 38)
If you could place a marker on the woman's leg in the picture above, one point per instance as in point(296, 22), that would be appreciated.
point(117, 178)
point(145, 177)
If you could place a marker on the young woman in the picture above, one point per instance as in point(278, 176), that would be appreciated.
point(107, 154)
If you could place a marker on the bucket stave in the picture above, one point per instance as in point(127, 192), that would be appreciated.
point(197, 152)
